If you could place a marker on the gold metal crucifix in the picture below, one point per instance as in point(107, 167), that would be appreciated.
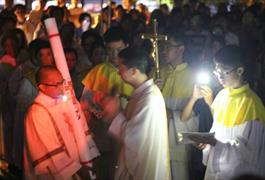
point(154, 38)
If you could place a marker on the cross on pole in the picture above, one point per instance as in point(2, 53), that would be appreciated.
point(154, 38)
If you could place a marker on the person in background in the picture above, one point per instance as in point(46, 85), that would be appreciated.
point(23, 89)
point(71, 57)
point(88, 38)
point(102, 81)
point(104, 77)
point(22, 23)
point(85, 23)
point(98, 53)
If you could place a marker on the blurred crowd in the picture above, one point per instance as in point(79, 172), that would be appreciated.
point(25, 47)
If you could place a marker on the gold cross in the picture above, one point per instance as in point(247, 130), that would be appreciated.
point(154, 38)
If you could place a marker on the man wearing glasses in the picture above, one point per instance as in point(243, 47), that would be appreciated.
point(176, 84)
point(52, 149)
point(238, 146)
point(102, 81)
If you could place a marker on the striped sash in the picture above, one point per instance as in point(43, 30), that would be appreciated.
point(62, 148)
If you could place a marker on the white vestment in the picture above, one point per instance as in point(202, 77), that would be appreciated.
point(239, 150)
point(239, 117)
point(51, 144)
point(142, 130)
point(179, 153)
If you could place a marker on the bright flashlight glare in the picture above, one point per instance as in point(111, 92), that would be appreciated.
point(203, 78)
point(65, 98)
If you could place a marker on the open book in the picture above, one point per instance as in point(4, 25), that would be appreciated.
point(183, 137)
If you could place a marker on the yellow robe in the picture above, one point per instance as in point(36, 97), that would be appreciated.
point(103, 78)
point(177, 88)
point(239, 117)
point(235, 106)
point(178, 82)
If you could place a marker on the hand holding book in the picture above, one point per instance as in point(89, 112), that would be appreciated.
point(196, 137)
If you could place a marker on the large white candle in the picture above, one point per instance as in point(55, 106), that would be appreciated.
point(57, 47)
point(86, 146)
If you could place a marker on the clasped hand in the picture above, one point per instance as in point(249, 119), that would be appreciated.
point(111, 107)
point(203, 91)
point(203, 140)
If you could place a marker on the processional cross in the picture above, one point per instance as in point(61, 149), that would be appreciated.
point(154, 38)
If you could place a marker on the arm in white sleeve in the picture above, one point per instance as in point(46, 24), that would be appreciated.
point(245, 154)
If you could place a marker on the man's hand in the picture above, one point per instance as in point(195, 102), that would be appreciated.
point(200, 146)
point(207, 94)
point(111, 107)
point(203, 91)
point(159, 83)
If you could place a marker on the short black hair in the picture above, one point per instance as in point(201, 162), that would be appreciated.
point(230, 55)
point(34, 48)
point(20, 7)
point(55, 11)
point(177, 36)
point(133, 57)
point(115, 34)
point(83, 16)
point(71, 50)
point(97, 45)
point(14, 38)
point(91, 33)
point(42, 44)
point(42, 72)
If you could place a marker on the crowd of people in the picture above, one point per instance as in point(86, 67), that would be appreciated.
point(129, 122)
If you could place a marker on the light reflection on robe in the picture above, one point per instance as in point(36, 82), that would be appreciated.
point(239, 118)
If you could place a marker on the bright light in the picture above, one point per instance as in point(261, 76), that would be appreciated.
point(35, 5)
point(65, 98)
point(203, 78)
point(51, 3)
point(180, 136)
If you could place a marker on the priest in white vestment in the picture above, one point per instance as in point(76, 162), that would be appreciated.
point(142, 127)
point(52, 147)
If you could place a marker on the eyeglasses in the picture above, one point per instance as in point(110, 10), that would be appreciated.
point(167, 46)
point(219, 72)
point(54, 85)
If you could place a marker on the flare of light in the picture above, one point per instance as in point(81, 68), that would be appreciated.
point(203, 78)
point(65, 98)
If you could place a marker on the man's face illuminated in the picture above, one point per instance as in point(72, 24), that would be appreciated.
point(113, 48)
point(46, 57)
point(171, 51)
point(125, 72)
point(227, 75)
point(52, 85)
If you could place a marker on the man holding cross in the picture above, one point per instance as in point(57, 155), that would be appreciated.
point(176, 83)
